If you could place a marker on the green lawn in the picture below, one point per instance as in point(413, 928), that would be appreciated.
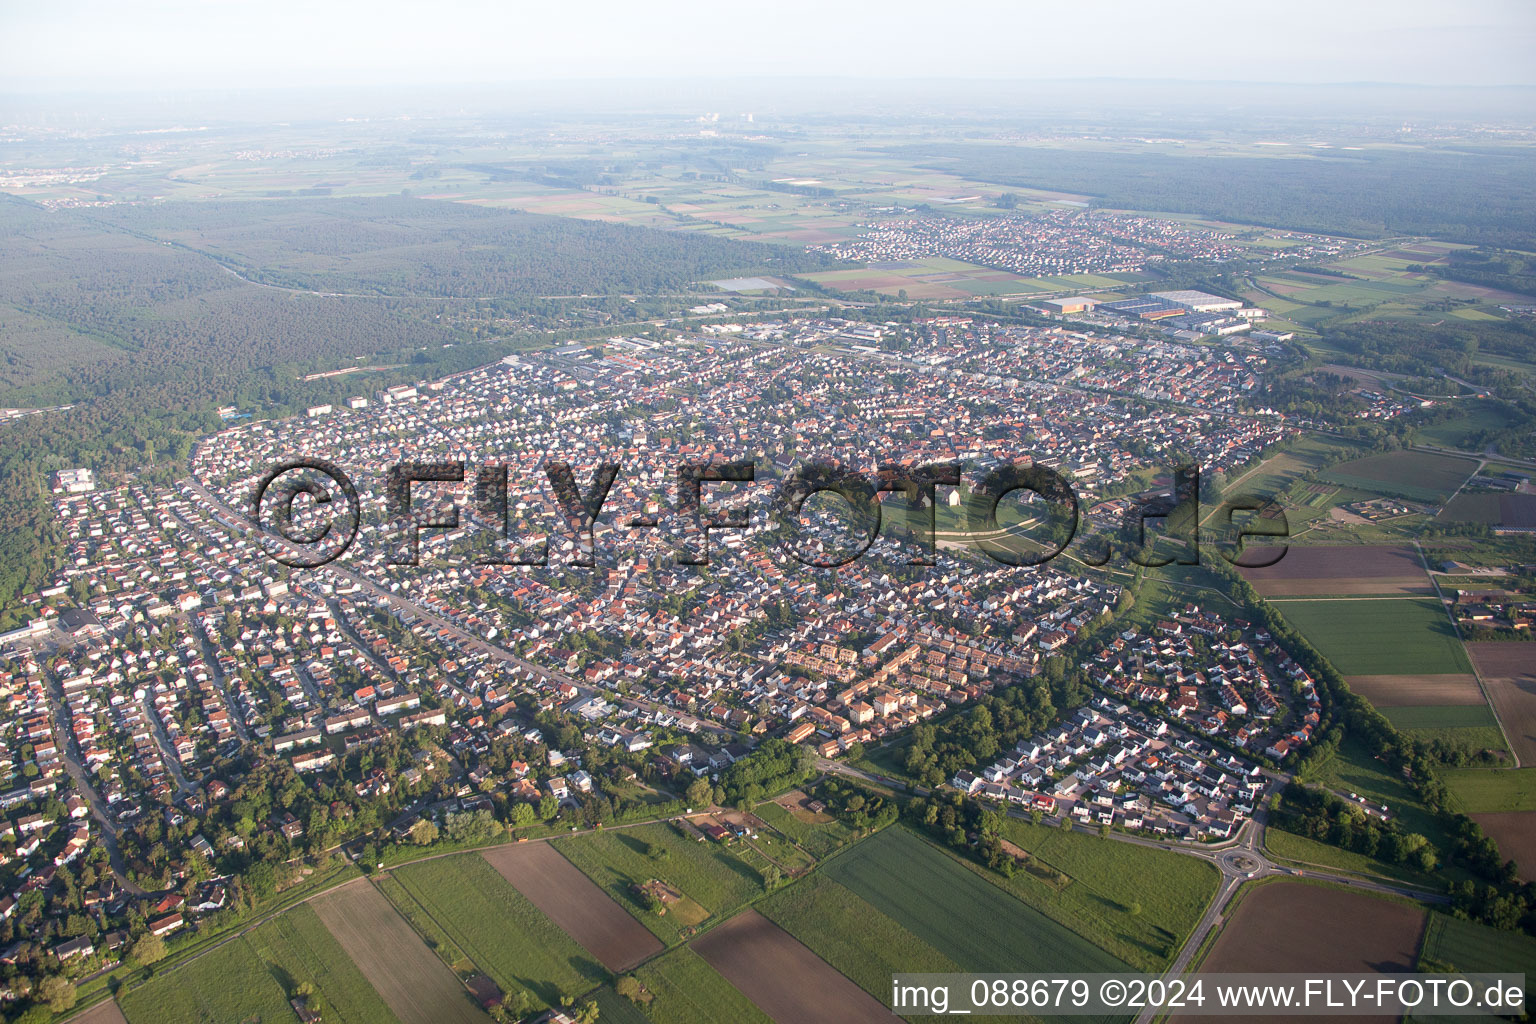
point(498, 929)
point(960, 914)
point(230, 983)
point(1363, 636)
point(1481, 790)
point(298, 948)
point(710, 874)
point(686, 990)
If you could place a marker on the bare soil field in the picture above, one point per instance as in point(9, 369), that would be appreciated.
point(1515, 832)
point(408, 976)
point(571, 900)
point(102, 1013)
point(1346, 932)
point(1342, 571)
point(782, 977)
point(1417, 691)
point(1509, 675)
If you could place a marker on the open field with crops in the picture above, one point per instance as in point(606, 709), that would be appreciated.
point(1508, 671)
point(1417, 476)
point(413, 982)
point(229, 983)
point(1380, 636)
point(571, 900)
point(1342, 570)
point(500, 931)
point(298, 948)
point(782, 977)
point(965, 917)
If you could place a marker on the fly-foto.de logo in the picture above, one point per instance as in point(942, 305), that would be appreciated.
point(308, 512)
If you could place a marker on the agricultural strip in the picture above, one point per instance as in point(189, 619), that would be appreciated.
point(1509, 675)
point(782, 977)
point(412, 981)
point(1419, 691)
point(228, 983)
point(570, 899)
point(299, 949)
point(683, 989)
point(498, 929)
point(1342, 571)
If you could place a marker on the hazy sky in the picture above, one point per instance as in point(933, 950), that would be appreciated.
point(151, 44)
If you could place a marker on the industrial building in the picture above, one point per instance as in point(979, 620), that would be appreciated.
point(1076, 304)
point(1198, 302)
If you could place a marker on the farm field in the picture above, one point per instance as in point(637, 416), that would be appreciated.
point(300, 949)
point(1491, 509)
point(571, 900)
point(1380, 636)
point(851, 935)
point(758, 957)
point(954, 909)
point(707, 873)
point(1508, 671)
point(413, 982)
point(1104, 883)
point(105, 1012)
point(1389, 691)
point(1469, 725)
point(684, 989)
point(1341, 571)
point(228, 983)
point(499, 929)
point(1417, 476)
point(1471, 947)
point(1477, 790)
point(1346, 931)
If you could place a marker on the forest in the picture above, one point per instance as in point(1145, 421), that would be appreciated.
point(399, 246)
point(129, 320)
point(1487, 197)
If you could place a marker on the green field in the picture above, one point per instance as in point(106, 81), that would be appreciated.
point(299, 948)
point(229, 983)
point(708, 873)
point(686, 990)
point(1107, 883)
point(1471, 947)
point(958, 912)
point(1363, 636)
point(1419, 476)
point(1485, 791)
point(1472, 726)
point(851, 935)
point(498, 929)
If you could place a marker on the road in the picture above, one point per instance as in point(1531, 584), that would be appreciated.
point(82, 780)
